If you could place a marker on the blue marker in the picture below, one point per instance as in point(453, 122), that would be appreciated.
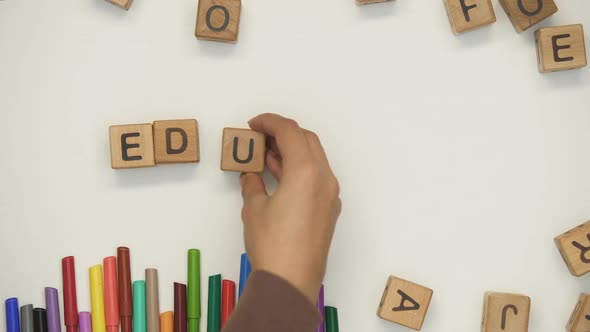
point(12, 313)
point(245, 270)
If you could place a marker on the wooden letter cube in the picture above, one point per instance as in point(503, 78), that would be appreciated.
point(132, 146)
point(526, 13)
point(218, 20)
point(176, 141)
point(366, 2)
point(505, 313)
point(243, 150)
point(574, 247)
point(561, 48)
point(467, 15)
point(125, 4)
point(404, 303)
point(580, 319)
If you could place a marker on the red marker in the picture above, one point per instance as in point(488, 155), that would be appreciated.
point(110, 294)
point(228, 300)
point(125, 297)
point(69, 293)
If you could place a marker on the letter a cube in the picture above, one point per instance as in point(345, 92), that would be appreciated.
point(404, 303)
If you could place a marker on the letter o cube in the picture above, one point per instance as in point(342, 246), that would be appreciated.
point(218, 20)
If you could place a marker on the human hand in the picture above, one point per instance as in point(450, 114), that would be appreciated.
point(289, 233)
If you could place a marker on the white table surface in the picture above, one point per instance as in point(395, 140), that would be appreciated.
point(458, 161)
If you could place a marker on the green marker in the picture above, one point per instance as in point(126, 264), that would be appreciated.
point(214, 308)
point(139, 308)
point(331, 319)
point(194, 290)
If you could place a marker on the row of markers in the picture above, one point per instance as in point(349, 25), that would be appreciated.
point(116, 301)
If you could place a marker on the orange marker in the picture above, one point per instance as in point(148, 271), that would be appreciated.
point(111, 301)
point(167, 321)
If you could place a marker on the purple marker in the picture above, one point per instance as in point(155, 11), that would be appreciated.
point(52, 303)
point(322, 326)
point(84, 321)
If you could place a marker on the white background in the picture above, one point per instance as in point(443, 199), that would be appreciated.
point(458, 161)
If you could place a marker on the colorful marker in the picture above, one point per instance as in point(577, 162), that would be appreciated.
point(320, 305)
point(167, 321)
point(39, 320)
point(12, 317)
point(111, 301)
point(152, 300)
point(179, 307)
point(52, 305)
point(214, 304)
point(124, 284)
point(97, 299)
point(139, 310)
point(69, 293)
point(228, 300)
point(331, 319)
point(194, 290)
point(26, 318)
point(85, 320)
point(245, 269)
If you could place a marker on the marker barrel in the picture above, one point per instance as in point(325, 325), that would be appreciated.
point(26, 318)
point(111, 301)
point(69, 294)
point(167, 321)
point(331, 319)
point(52, 305)
point(124, 285)
point(152, 300)
point(320, 305)
point(97, 299)
point(12, 315)
point(139, 309)
point(214, 304)
point(228, 300)
point(245, 270)
point(85, 320)
point(179, 307)
point(194, 290)
point(39, 320)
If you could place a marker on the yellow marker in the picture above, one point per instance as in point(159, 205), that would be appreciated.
point(96, 299)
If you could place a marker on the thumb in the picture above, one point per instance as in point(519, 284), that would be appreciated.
point(253, 192)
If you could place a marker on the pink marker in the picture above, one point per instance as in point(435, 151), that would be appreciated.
point(85, 322)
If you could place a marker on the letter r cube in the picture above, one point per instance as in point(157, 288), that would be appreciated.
point(574, 247)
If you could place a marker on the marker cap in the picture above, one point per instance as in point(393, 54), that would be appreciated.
point(320, 305)
point(85, 320)
point(111, 301)
point(193, 311)
point(228, 300)
point(152, 300)
point(167, 321)
point(214, 308)
point(245, 269)
point(39, 320)
point(52, 305)
point(331, 319)
point(139, 310)
point(26, 318)
point(69, 293)
point(12, 315)
point(124, 284)
point(179, 307)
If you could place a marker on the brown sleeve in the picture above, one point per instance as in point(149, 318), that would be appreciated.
point(271, 304)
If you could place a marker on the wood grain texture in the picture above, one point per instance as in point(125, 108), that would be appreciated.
point(504, 312)
point(574, 246)
point(243, 150)
point(132, 146)
point(579, 321)
point(218, 20)
point(561, 48)
point(404, 303)
point(473, 15)
point(176, 141)
point(526, 13)
point(125, 4)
